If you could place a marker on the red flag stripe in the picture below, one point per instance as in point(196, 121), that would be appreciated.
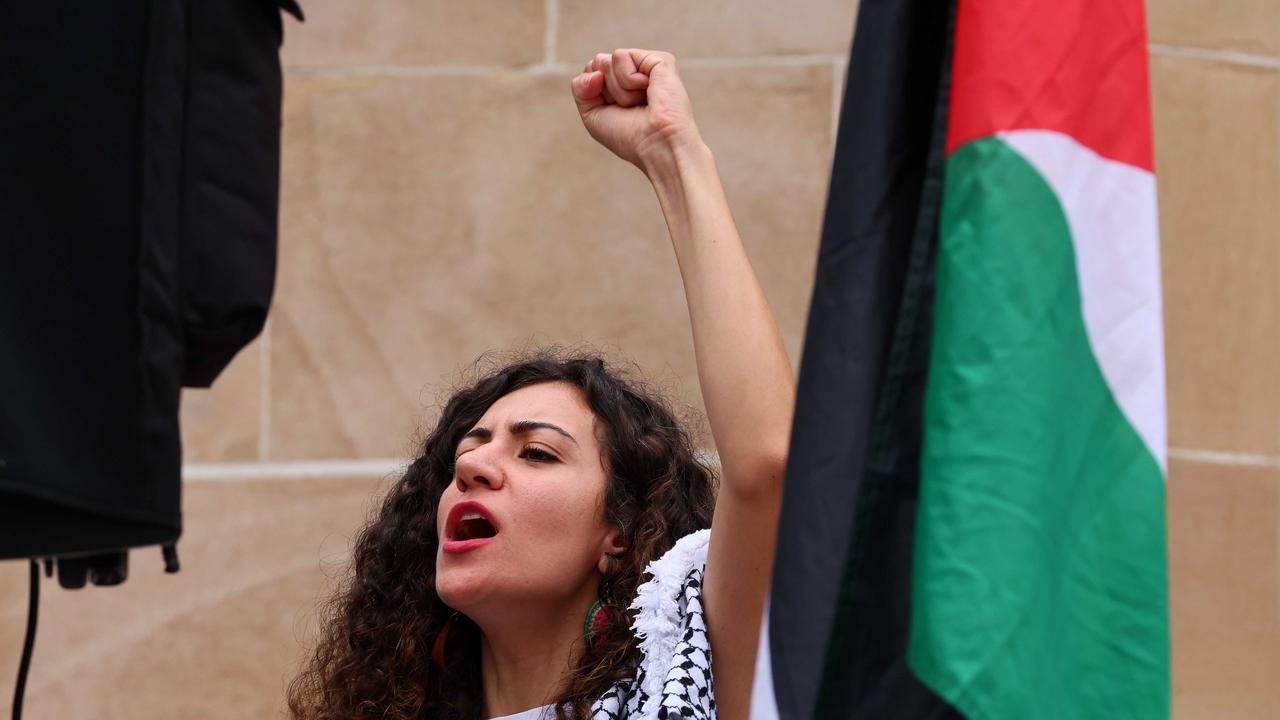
point(1078, 67)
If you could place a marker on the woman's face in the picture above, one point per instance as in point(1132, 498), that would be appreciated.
point(523, 520)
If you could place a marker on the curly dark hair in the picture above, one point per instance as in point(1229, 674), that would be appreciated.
point(373, 658)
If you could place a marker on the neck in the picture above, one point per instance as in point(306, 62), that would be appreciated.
point(525, 656)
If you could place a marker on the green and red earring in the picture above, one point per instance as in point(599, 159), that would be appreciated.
point(599, 618)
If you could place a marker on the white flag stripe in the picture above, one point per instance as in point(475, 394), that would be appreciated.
point(1111, 212)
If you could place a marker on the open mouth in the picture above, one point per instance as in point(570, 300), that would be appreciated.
point(473, 526)
point(468, 520)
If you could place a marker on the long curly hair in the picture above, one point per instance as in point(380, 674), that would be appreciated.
point(373, 658)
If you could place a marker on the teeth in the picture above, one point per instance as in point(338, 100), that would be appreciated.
point(472, 525)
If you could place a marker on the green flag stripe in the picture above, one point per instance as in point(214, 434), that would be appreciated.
point(1039, 586)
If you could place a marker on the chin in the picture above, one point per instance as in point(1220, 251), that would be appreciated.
point(462, 588)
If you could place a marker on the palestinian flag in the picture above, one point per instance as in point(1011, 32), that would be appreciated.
point(974, 515)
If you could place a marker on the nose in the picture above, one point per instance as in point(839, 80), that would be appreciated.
point(480, 466)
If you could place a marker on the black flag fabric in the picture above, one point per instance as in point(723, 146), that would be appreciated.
point(834, 644)
point(139, 162)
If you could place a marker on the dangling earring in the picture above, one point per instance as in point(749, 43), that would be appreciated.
point(597, 623)
point(442, 637)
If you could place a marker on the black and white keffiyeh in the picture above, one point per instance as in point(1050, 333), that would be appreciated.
point(674, 676)
point(673, 679)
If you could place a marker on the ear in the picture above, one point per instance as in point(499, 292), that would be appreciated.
point(614, 544)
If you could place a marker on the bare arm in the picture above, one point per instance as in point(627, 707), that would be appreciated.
point(749, 391)
point(746, 379)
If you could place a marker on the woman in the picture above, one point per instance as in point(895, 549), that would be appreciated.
point(545, 554)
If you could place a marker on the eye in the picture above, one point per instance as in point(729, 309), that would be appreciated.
point(537, 454)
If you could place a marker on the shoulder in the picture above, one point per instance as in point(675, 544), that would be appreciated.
point(661, 602)
point(675, 665)
point(667, 575)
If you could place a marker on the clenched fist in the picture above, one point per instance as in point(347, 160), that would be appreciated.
point(634, 103)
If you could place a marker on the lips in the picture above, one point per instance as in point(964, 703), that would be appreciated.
point(470, 525)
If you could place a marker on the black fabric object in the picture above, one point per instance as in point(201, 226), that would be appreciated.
point(231, 179)
point(840, 597)
point(139, 162)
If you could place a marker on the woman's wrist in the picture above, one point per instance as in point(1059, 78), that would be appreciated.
point(696, 211)
point(671, 165)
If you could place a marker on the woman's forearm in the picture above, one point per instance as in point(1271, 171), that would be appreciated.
point(746, 378)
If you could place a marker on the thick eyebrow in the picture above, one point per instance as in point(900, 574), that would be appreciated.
point(528, 426)
point(520, 428)
point(483, 433)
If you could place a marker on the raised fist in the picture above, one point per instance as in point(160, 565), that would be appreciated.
point(634, 103)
